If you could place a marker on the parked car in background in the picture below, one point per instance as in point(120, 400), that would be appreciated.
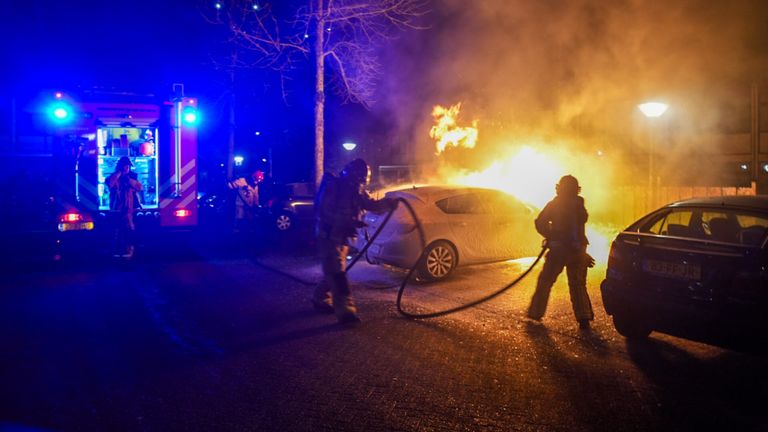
point(288, 206)
point(696, 268)
point(461, 225)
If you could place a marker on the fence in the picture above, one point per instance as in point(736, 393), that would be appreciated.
point(632, 202)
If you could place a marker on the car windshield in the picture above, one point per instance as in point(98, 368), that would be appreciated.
point(722, 225)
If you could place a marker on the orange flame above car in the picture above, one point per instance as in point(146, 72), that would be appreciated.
point(448, 133)
point(526, 172)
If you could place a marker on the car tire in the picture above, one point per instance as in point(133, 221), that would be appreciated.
point(283, 222)
point(439, 261)
point(631, 327)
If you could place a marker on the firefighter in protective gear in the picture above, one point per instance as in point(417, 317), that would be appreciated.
point(339, 206)
point(246, 199)
point(562, 222)
point(123, 201)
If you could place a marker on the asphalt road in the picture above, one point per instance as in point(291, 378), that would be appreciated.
point(230, 342)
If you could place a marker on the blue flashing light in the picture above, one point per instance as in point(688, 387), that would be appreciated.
point(217, 5)
point(60, 112)
point(189, 115)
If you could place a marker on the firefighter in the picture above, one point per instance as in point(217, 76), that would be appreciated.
point(246, 199)
point(339, 205)
point(123, 188)
point(561, 222)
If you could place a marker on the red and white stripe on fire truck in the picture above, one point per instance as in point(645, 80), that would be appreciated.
point(186, 192)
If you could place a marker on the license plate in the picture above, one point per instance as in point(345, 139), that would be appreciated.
point(673, 269)
point(75, 226)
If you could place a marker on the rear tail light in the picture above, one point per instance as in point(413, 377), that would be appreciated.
point(74, 221)
point(70, 217)
point(182, 213)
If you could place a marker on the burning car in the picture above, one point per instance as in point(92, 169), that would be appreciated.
point(697, 268)
point(461, 225)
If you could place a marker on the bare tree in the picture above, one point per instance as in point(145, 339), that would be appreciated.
point(340, 34)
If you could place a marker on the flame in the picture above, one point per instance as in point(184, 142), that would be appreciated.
point(447, 132)
point(527, 172)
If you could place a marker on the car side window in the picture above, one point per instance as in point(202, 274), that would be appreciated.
point(505, 205)
point(463, 204)
point(753, 229)
point(676, 223)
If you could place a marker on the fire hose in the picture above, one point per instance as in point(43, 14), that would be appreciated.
point(420, 260)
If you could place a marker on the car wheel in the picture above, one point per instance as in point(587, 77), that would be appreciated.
point(631, 327)
point(439, 261)
point(283, 222)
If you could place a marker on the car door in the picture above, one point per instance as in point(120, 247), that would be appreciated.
point(510, 229)
point(468, 219)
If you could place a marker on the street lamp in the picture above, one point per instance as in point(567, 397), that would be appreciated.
point(652, 110)
point(349, 146)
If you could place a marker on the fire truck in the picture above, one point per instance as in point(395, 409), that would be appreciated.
point(93, 131)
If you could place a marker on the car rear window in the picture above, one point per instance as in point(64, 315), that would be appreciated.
point(723, 225)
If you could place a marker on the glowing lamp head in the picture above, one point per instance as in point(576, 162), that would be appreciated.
point(349, 146)
point(239, 160)
point(653, 109)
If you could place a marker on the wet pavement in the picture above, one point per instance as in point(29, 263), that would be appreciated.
point(230, 342)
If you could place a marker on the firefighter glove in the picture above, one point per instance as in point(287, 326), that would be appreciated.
point(590, 260)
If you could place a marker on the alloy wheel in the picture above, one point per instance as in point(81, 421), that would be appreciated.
point(283, 222)
point(440, 261)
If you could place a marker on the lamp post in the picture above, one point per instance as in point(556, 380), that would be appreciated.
point(652, 110)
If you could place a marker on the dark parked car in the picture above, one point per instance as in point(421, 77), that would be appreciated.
point(290, 206)
point(696, 269)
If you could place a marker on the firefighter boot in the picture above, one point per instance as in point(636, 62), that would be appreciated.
point(321, 298)
point(343, 305)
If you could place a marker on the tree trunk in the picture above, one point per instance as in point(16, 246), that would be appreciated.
point(319, 93)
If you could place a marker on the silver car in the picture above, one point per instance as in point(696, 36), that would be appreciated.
point(462, 226)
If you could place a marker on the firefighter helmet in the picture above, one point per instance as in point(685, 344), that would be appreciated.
point(357, 171)
point(568, 185)
point(123, 161)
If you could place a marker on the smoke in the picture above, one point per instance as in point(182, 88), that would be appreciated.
point(573, 72)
